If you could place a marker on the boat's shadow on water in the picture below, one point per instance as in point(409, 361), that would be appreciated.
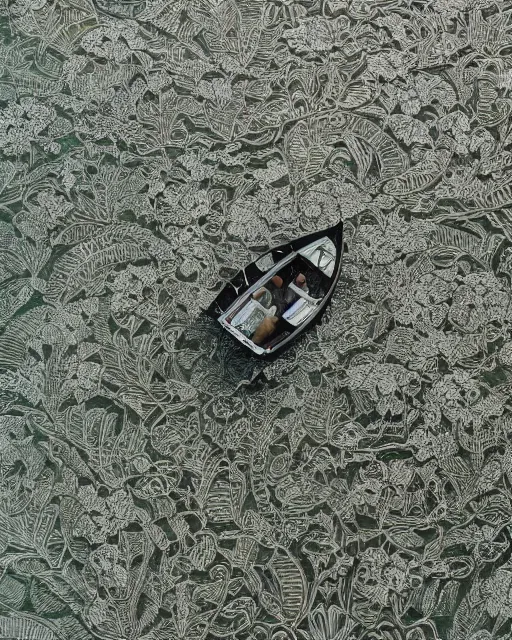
point(224, 365)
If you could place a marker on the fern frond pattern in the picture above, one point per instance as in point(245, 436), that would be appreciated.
point(157, 483)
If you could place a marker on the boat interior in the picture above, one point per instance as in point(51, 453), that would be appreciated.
point(284, 298)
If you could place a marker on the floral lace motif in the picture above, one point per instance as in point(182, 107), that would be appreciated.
point(152, 485)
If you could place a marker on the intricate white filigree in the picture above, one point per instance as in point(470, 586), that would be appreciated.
point(152, 486)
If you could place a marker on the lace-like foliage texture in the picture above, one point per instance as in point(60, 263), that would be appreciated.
point(362, 488)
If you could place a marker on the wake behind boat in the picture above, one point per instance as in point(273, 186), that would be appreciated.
point(273, 300)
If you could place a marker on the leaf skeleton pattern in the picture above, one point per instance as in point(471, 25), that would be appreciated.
point(156, 483)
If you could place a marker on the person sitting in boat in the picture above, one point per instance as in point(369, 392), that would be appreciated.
point(273, 294)
point(278, 299)
point(292, 294)
point(265, 329)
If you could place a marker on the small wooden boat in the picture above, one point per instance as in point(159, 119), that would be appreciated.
point(272, 301)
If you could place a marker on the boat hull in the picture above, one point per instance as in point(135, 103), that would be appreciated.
point(249, 278)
